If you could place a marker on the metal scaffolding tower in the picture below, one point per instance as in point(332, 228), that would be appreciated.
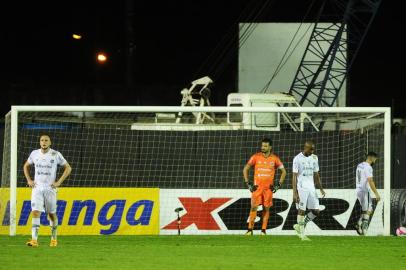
point(337, 36)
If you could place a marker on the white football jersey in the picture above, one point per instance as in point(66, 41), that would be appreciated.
point(364, 171)
point(305, 167)
point(46, 166)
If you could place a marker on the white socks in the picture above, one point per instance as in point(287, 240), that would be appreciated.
point(309, 217)
point(54, 226)
point(35, 228)
point(365, 222)
point(301, 222)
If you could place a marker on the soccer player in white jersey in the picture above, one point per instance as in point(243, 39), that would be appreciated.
point(43, 195)
point(305, 178)
point(364, 185)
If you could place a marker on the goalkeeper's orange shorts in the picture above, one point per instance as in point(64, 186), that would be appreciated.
point(261, 196)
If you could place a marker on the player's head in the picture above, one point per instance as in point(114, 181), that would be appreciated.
point(45, 141)
point(308, 148)
point(266, 145)
point(372, 157)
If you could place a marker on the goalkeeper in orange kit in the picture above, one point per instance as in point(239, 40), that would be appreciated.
point(265, 164)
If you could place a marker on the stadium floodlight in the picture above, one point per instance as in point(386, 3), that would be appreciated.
point(76, 36)
point(101, 58)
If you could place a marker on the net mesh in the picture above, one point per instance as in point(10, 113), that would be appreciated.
point(197, 167)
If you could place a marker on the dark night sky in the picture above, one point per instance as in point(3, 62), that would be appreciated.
point(44, 65)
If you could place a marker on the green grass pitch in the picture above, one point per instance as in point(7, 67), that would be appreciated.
point(204, 252)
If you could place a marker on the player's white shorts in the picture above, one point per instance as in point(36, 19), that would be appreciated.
point(308, 199)
point(43, 199)
point(365, 200)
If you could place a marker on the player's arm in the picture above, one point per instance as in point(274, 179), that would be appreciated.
point(245, 172)
point(295, 172)
point(373, 188)
point(317, 182)
point(294, 187)
point(26, 167)
point(66, 172)
point(276, 187)
point(283, 176)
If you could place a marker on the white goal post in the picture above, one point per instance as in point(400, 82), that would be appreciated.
point(16, 110)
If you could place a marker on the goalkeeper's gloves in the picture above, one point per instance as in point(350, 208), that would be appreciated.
point(276, 187)
point(251, 187)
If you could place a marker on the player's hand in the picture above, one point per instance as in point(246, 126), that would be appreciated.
point(295, 197)
point(377, 197)
point(323, 193)
point(56, 184)
point(276, 187)
point(251, 187)
point(31, 183)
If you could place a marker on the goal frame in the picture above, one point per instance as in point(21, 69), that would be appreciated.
point(176, 109)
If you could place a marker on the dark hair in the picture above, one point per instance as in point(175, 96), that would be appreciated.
point(267, 140)
point(45, 134)
point(372, 154)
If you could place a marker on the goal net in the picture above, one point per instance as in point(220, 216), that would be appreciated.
point(133, 167)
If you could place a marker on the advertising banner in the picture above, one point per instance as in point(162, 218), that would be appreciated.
point(91, 211)
point(225, 211)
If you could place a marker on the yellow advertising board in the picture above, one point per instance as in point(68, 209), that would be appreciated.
point(90, 211)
